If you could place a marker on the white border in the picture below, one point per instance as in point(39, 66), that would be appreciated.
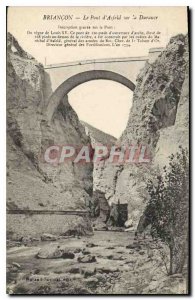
point(3, 4)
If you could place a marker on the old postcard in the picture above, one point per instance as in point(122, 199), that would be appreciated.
point(98, 150)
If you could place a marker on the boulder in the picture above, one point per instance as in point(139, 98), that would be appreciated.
point(77, 250)
point(92, 282)
point(101, 277)
point(74, 270)
point(129, 223)
point(48, 237)
point(86, 259)
point(133, 246)
point(68, 254)
point(15, 264)
point(85, 252)
point(107, 270)
point(91, 245)
point(13, 267)
point(54, 252)
point(115, 257)
point(88, 272)
point(100, 227)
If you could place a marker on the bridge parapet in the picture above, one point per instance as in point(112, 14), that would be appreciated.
point(96, 61)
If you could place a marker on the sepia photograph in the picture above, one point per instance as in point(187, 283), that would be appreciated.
point(97, 154)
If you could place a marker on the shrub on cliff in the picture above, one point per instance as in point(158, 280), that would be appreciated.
point(168, 208)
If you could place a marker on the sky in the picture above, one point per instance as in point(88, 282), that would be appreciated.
point(103, 104)
point(111, 109)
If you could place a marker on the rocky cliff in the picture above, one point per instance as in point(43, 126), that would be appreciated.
point(157, 94)
point(159, 119)
point(97, 136)
point(33, 184)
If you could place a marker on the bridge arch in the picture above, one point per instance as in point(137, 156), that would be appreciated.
point(80, 78)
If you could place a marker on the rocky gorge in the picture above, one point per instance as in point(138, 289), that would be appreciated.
point(55, 213)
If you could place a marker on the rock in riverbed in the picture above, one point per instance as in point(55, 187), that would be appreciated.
point(107, 270)
point(48, 237)
point(91, 245)
point(134, 246)
point(86, 259)
point(57, 252)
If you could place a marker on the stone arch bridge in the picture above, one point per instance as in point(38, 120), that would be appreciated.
point(65, 77)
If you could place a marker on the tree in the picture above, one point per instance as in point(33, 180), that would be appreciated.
point(168, 208)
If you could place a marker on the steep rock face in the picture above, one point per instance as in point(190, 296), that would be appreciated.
point(75, 181)
point(158, 119)
point(32, 183)
point(178, 134)
point(99, 206)
point(157, 93)
point(98, 137)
